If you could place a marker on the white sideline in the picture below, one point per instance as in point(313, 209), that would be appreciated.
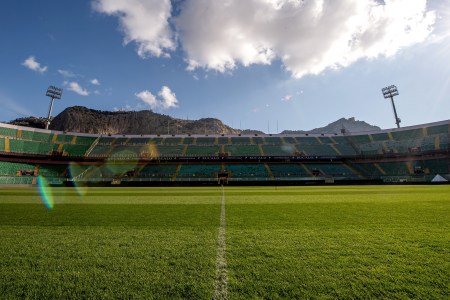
point(221, 285)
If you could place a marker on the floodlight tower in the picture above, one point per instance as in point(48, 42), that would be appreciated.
point(390, 92)
point(54, 93)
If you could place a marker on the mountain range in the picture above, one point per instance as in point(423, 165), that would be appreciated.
point(85, 120)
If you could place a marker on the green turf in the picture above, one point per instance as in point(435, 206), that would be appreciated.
point(155, 247)
point(339, 242)
point(291, 242)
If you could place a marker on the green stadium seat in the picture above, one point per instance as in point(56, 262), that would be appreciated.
point(197, 150)
point(288, 170)
point(37, 136)
point(247, 170)
point(243, 150)
point(9, 132)
point(205, 140)
point(199, 170)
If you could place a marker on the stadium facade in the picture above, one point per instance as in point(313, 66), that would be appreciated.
point(410, 154)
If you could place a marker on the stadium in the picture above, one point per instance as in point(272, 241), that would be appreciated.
point(98, 202)
point(418, 154)
point(315, 215)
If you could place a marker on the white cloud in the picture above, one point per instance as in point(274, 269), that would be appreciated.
point(95, 81)
point(167, 99)
point(32, 64)
point(66, 73)
point(76, 88)
point(307, 36)
point(286, 98)
point(144, 22)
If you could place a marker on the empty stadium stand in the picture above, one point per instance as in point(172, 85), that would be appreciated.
point(411, 154)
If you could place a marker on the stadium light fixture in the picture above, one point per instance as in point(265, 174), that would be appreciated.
point(54, 93)
point(390, 92)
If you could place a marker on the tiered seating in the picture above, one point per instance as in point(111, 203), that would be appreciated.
point(138, 141)
point(106, 141)
point(288, 170)
point(172, 141)
point(101, 151)
point(37, 136)
point(290, 140)
point(124, 151)
point(428, 143)
point(199, 171)
point(435, 166)
point(323, 150)
point(11, 168)
point(337, 170)
point(162, 171)
point(258, 140)
point(31, 147)
point(205, 140)
point(308, 141)
point(196, 150)
point(326, 140)
point(114, 170)
point(395, 168)
point(378, 137)
point(247, 170)
point(359, 139)
point(397, 146)
point(444, 142)
point(369, 170)
point(52, 170)
point(279, 150)
point(189, 140)
point(240, 140)
point(272, 140)
point(440, 129)
point(75, 150)
point(175, 150)
point(2, 144)
point(4, 131)
point(223, 140)
point(16, 180)
point(345, 149)
point(243, 150)
point(64, 138)
point(85, 140)
point(407, 134)
point(371, 149)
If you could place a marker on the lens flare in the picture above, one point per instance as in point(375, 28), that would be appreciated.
point(77, 171)
point(46, 192)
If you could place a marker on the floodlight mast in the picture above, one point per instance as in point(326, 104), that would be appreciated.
point(54, 93)
point(389, 92)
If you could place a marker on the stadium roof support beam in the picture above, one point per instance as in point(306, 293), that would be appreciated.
point(390, 92)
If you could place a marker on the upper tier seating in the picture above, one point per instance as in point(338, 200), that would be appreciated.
point(4, 131)
point(37, 136)
point(243, 150)
point(197, 150)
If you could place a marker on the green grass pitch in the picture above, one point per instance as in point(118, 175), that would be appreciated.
point(324, 242)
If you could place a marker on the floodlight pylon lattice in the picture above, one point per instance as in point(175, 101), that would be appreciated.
point(54, 93)
point(390, 92)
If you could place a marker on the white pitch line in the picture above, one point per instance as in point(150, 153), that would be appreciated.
point(221, 285)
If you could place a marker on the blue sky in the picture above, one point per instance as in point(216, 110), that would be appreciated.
point(252, 64)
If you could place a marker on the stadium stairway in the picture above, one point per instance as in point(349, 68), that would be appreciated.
point(269, 171)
